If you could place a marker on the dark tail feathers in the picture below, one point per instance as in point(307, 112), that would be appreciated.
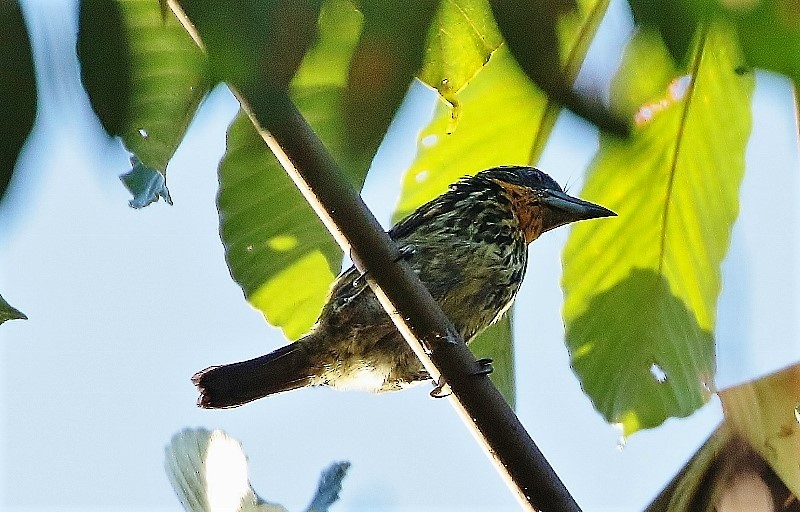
point(232, 385)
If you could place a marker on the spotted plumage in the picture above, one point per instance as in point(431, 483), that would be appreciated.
point(469, 247)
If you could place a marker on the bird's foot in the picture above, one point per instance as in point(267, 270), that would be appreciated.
point(405, 252)
point(484, 366)
point(442, 389)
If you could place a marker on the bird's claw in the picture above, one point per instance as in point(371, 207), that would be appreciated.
point(484, 366)
point(405, 252)
point(442, 389)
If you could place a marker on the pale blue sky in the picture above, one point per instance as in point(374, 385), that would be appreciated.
point(126, 305)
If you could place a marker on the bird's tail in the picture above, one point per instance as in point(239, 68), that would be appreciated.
point(232, 385)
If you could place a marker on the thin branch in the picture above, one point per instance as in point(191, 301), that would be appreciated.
point(415, 313)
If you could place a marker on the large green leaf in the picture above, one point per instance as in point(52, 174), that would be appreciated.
point(641, 290)
point(17, 89)
point(499, 116)
point(499, 120)
point(144, 74)
point(276, 247)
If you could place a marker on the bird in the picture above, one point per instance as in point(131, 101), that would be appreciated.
point(468, 246)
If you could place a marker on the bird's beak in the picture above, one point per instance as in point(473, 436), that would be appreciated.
point(562, 209)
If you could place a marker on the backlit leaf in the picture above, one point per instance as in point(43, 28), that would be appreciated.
point(641, 290)
point(277, 249)
point(144, 74)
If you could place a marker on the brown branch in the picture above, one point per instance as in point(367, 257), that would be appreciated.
point(415, 313)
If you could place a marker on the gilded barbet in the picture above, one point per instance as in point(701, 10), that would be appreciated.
point(469, 246)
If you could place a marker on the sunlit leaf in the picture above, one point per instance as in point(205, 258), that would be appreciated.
point(17, 89)
point(462, 38)
point(144, 74)
point(499, 120)
point(9, 312)
point(641, 290)
point(766, 412)
point(276, 247)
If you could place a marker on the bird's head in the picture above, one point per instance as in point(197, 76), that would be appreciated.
point(539, 202)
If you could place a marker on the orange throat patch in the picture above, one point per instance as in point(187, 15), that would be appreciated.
point(527, 209)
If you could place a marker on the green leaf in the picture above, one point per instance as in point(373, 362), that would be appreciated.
point(144, 74)
point(768, 30)
point(676, 24)
point(497, 344)
point(770, 36)
point(277, 249)
point(17, 89)
point(9, 312)
point(462, 38)
point(641, 290)
point(146, 184)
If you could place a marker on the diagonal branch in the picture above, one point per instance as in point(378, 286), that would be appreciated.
point(415, 313)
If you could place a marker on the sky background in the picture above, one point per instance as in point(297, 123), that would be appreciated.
point(126, 305)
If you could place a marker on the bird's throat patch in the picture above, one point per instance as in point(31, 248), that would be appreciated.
point(526, 207)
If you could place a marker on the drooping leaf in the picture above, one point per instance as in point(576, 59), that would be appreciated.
point(641, 290)
point(144, 74)
point(449, 150)
point(277, 249)
point(17, 89)
point(497, 344)
point(766, 412)
point(146, 184)
point(9, 312)
point(461, 39)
